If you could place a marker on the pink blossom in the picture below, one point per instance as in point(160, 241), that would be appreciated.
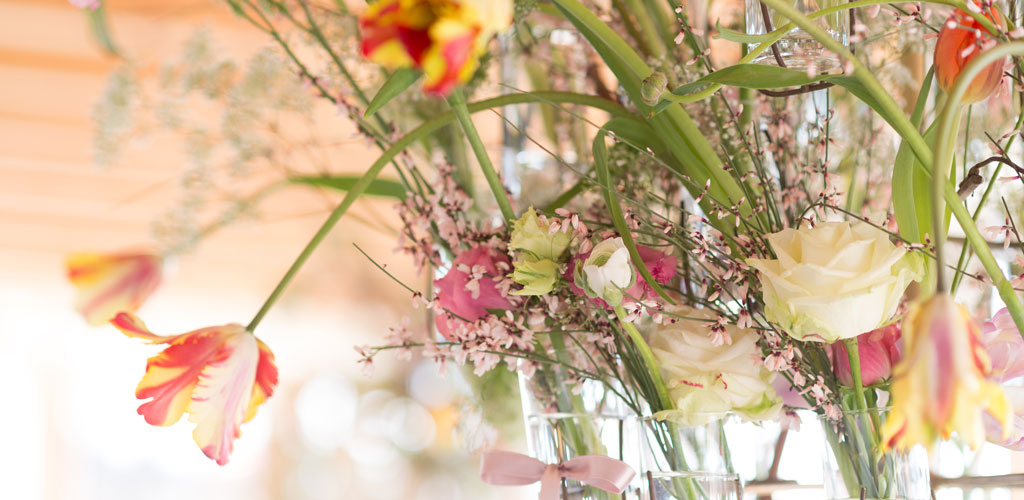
point(1004, 345)
point(661, 266)
point(85, 4)
point(790, 395)
point(879, 350)
point(471, 288)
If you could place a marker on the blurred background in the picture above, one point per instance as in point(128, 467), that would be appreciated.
point(74, 176)
point(68, 426)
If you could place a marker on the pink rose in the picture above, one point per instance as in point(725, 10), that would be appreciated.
point(1004, 345)
point(879, 350)
point(661, 266)
point(471, 288)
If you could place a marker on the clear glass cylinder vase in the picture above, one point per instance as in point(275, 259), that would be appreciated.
point(798, 49)
point(558, 437)
point(542, 143)
point(687, 459)
point(549, 390)
point(854, 466)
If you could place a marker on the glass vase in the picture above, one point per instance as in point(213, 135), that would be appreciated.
point(687, 459)
point(558, 437)
point(542, 142)
point(854, 467)
point(798, 49)
point(557, 387)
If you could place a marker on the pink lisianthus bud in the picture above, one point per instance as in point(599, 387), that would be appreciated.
point(1004, 346)
point(661, 266)
point(470, 288)
point(879, 351)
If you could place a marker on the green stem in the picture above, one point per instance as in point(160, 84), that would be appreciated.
point(651, 35)
point(458, 103)
point(853, 356)
point(666, 402)
point(939, 224)
point(420, 132)
point(944, 155)
point(894, 115)
point(892, 111)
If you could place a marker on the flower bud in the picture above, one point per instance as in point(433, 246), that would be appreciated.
point(536, 238)
point(941, 385)
point(652, 88)
point(879, 351)
point(538, 277)
point(607, 272)
point(959, 42)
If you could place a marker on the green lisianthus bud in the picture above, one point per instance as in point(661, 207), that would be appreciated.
point(652, 88)
point(538, 277)
point(537, 240)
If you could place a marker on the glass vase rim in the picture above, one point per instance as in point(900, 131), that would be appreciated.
point(566, 415)
point(717, 415)
point(856, 411)
point(694, 474)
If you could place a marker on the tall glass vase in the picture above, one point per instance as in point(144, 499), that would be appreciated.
point(543, 142)
point(854, 466)
point(687, 460)
point(798, 49)
point(558, 437)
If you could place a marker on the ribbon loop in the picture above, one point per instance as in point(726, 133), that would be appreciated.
point(505, 468)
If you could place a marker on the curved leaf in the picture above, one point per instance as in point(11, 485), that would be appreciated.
point(604, 179)
point(377, 187)
point(397, 83)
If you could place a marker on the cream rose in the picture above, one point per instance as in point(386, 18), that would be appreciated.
point(834, 281)
point(704, 379)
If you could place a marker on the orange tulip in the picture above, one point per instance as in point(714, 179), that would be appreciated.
point(220, 375)
point(443, 38)
point(961, 40)
point(941, 385)
point(110, 283)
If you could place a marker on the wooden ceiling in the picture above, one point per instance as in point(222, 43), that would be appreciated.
point(53, 200)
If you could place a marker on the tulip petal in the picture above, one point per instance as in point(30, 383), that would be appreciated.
point(266, 380)
point(220, 401)
point(110, 283)
point(218, 375)
point(171, 378)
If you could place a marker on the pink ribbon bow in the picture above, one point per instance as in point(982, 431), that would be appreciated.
point(505, 468)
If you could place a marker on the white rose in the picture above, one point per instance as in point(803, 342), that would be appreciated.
point(704, 379)
point(606, 272)
point(834, 281)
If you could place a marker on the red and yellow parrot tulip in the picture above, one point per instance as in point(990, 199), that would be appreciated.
point(218, 375)
point(941, 384)
point(443, 38)
point(111, 283)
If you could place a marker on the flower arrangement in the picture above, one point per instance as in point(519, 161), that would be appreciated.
point(706, 259)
